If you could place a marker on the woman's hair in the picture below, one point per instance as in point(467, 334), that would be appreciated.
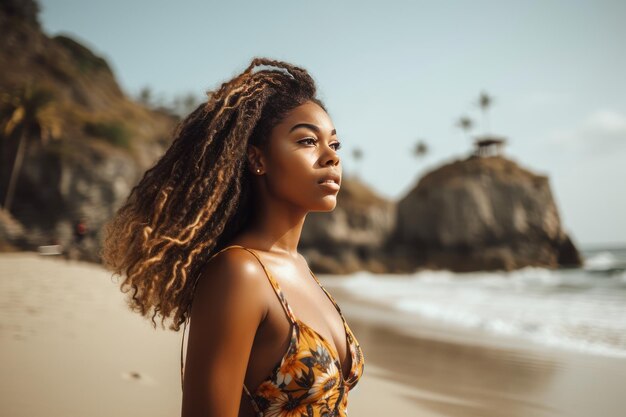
point(198, 195)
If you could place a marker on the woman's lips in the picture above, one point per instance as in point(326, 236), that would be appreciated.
point(331, 185)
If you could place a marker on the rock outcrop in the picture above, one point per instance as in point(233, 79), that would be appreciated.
point(481, 213)
point(105, 141)
point(353, 235)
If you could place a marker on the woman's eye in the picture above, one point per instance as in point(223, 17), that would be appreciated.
point(336, 144)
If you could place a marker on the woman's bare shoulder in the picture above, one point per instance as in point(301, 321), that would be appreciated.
point(233, 259)
point(232, 274)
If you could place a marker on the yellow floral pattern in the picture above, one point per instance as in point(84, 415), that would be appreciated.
point(307, 381)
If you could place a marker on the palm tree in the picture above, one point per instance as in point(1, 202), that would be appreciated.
point(484, 102)
point(357, 154)
point(145, 96)
point(420, 149)
point(466, 124)
point(182, 105)
point(23, 116)
point(190, 102)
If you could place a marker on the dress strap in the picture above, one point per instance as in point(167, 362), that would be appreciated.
point(329, 296)
point(277, 290)
point(182, 363)
point(255, 406)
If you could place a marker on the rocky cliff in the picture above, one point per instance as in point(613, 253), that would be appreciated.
point(481, 213)
point(103, 142)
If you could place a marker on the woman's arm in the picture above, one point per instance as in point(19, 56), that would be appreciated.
point(227, 309)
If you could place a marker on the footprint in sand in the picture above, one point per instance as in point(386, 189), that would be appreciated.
point(138, 377)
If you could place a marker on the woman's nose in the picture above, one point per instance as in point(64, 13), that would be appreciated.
point(331, 157)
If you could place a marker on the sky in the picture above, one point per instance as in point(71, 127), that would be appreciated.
point(395, 72)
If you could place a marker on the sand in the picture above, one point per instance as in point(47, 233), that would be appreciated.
point(70, 347)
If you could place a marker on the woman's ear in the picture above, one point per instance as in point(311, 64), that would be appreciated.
point(255, 158)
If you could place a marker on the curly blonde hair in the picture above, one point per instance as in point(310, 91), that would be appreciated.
point(198, 195)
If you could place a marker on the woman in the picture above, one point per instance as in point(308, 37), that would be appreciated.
point(217, 221)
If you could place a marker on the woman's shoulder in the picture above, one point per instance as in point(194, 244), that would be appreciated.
point(232, 263)
point(232, 273)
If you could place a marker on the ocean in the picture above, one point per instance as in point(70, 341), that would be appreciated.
point(581, 309)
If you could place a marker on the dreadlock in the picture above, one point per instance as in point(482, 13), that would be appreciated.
point(198, 195)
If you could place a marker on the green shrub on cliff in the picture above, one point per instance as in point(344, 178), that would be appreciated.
point(113, 132)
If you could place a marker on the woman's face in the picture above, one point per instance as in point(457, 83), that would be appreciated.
point(301, 153)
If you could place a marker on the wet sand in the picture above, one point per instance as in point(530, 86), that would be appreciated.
point(70, 347)
point(438, 371)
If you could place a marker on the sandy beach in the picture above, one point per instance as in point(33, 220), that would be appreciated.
point(70, 347)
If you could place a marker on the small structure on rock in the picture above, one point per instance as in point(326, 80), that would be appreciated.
point(489, 145)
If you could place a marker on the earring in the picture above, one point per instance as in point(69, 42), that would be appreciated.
point(258, 170)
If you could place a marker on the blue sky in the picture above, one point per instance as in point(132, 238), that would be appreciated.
point(394, 72)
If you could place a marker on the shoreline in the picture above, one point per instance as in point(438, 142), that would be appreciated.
point(438, 370)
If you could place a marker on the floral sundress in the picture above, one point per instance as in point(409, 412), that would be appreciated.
point(308, 380)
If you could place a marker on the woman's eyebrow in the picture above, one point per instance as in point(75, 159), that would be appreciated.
point(312, 127)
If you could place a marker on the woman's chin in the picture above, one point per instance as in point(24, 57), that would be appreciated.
point(327, 204)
